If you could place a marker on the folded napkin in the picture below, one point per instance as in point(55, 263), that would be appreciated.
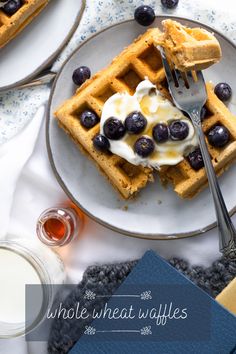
point(205, 327)
point(105, 279)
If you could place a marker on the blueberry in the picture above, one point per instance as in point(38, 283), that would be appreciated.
point(144, 146)
point(170, 4)
point(144, 15)
point(195, 159)
point(81, 74)
point(160, 133)
point(89, 119)
point(135, 123)
point(218, 136)
point(12, 6)
point(114, 129)
point(178, 130)
point(223, 91)
point(101, 143)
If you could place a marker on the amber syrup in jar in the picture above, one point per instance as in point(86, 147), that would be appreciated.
point(58, 226)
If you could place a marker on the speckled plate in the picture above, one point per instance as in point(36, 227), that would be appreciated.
point(39, 43)
point(156, 213)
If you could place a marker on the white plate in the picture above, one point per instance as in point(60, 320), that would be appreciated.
point(39, 43)
point(156, 213)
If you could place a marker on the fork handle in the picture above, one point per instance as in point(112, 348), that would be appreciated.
point(44, 78)
point(227, 232)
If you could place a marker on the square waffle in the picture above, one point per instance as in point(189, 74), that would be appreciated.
point(141, 59)
point(190, 48)
point(186, 181)
point(10, 26)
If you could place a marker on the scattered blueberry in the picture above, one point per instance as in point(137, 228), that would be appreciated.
point(218, 136)
point(178, 130)
point(101, 143)
point(160, 133)
point(144, 146)
point(12, 6)
point(223, 91)
point(89, 119)
point(196, 160)
point(170, 4)
point(135, 123)
point(81, 74)
point(114, 129)
point(144, 15)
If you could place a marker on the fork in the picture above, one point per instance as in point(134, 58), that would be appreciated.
point(189, 95)
point(44, 78)
point(3, 2)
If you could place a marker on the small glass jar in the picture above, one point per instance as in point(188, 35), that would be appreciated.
point(26, 262)
point(59, 225)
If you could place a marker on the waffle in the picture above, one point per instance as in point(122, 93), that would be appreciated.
point(141, 59)
point(188, 182)
point(137, 61)
point(11, 26)
point(190, 48)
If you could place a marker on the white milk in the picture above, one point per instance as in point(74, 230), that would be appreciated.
point(15, 273)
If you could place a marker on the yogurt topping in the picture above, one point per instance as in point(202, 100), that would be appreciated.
point(156, 109)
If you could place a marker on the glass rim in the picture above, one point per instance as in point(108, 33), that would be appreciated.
point(12, 330)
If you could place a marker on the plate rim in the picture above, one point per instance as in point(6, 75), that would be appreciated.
point(140, 235)
point(47, 63)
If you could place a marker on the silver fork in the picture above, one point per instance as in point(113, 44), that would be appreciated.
point(190, 95)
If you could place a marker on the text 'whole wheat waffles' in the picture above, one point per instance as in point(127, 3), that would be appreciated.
point(122, 118)
point(14, 18)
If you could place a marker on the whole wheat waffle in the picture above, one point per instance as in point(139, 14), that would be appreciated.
point(11, 26)
point(188, 182)
point(137, 61)
point(141, 59)
point(190, 48)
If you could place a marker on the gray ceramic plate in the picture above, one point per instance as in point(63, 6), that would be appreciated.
point(157, 212)
point(33, 49)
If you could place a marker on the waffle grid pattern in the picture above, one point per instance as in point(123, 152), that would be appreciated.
point(141, 59)
point(188, 182)
point(11, 25)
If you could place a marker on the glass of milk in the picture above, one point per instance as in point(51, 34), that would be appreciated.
point(22, 263)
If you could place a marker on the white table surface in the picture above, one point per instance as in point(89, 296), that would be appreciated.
point(98, 244)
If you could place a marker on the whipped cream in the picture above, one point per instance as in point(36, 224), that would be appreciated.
point(156, 109)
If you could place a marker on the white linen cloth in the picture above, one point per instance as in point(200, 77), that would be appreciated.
point(28, 186)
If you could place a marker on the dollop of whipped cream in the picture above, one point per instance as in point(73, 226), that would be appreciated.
point(156, 109)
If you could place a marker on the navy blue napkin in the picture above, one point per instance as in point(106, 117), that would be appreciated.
point(181, 317)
